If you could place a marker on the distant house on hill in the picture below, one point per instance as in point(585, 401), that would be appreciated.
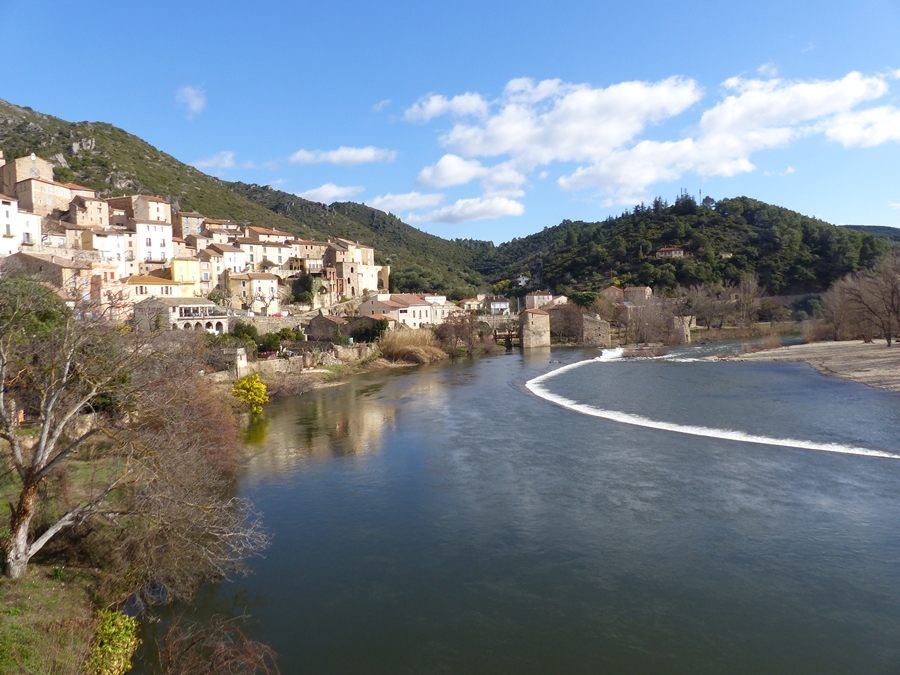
point(614, 294)
point(496, 304)
point(670, 252)
point(638, 294)
point(537, 299)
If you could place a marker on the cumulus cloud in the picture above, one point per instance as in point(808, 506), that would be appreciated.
point(435, 105)
point(329, 192)
point(601, 131)
point(406, 201)
point(895, 205)
point(538, 123)
point(219, 161)
point(344, 156)
point(478, 208)
point(451, 170)
point(192, 98)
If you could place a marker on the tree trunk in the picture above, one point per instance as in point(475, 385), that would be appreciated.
point(16, 544)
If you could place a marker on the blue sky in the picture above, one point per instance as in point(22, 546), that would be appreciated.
point(490, 120)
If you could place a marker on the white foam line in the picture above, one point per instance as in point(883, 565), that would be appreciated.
point(536, 387)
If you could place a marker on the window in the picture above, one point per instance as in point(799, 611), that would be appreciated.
point(26, 237)
point(162, 243)
point(206, 276)
point(149, 242)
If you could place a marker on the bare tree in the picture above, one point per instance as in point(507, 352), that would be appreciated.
point(875, 296)
point(749, 293)
point(123, 401)
point(218, 647)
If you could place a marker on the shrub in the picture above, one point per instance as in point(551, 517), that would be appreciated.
point(252, 391)
point(114, 644)
point(244, 329)
point(270, 342)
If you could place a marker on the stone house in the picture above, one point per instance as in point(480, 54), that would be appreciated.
point(264, 234)
point(614, 294)
point(323, 327)
point(537, 299)
point(23, 168)
point(185, 223)
point(143, 208)
point(89, 211)
point(406, 309)
point(360, 326)
point(42, 196)
point(670, 252)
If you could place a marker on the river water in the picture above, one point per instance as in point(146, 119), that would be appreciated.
point(618, 516)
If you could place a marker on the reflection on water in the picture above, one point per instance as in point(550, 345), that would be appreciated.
point(349, 419)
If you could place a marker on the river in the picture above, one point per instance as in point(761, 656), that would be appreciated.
point(620, 516)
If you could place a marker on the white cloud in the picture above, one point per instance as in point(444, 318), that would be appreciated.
point(759, 114)
point(451, 170)
point(436, 105)
point(192, 98)
point(478, 208)
point(329, 192)
point(787, 172)
point(344, 156)
point(378, 107)
point(599, 129)
point(404, 202)
point(550, 121)
point(864, 128)
point(221, 160)
point(895, 205)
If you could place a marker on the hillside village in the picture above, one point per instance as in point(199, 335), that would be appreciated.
point(135, 258)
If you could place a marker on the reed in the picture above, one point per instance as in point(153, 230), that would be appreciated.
point(412, 346)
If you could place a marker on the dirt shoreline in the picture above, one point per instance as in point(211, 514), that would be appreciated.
point(874, 364)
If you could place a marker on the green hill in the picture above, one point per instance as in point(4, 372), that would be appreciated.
point(892, 233)
point(791, 253)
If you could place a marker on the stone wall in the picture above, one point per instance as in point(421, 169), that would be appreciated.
point(595, 332)
point(534, 329)
point(266, 324)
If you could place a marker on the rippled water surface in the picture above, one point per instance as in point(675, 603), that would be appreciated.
point(448, 520)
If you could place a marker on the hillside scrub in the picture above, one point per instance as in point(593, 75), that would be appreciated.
point(412, 346)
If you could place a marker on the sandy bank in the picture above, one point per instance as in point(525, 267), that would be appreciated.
point(873, 364)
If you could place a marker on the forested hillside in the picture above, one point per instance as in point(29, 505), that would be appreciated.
point(791, 253)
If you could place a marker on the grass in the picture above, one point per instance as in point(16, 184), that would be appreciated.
point(46, 621)
point(412, 346)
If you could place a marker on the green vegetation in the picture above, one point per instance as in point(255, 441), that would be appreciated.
point(114, 644)
point(252, 391)
point(722, 240)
